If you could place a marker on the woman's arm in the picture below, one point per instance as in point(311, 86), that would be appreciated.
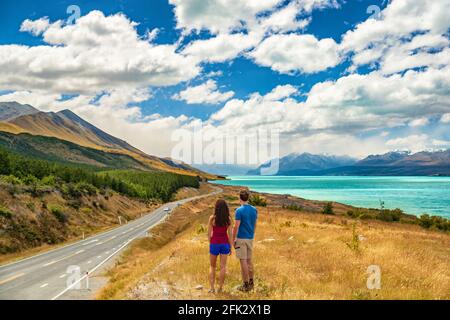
point(210, 228)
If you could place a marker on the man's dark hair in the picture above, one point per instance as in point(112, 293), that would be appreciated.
point(244, 195)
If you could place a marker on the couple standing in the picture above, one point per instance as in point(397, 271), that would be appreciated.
point(223, 237)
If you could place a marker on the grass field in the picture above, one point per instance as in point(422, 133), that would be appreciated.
point(298, 255)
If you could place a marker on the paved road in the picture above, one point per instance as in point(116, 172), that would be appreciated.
point(49, 275)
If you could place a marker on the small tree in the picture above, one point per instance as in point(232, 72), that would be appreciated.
point(328, 209)
point(257, 200)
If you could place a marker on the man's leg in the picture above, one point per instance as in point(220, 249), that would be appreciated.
point(250, 268)
point(244, 270)
point(250, 272)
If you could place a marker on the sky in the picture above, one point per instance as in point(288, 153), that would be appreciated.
point(331, 76)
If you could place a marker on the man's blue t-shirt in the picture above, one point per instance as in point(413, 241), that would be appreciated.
point(247, 214)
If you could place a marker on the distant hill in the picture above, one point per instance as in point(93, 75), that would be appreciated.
point(396, 163)
point(306, 164)
point(225, 169)
point(54, 149)
point(423, 163)
point(11, 110)
point(66, 125)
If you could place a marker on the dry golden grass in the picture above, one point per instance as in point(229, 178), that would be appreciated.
point(297, 256)
point(95, 214)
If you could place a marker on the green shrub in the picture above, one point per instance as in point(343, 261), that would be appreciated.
point(57, 211)
point(86, 188)
point(4, 212)
point(10, 179)
point(293, 207)
point(389, 215)
point(435, 222)
point(328, 209)
point(257, 200)
point(231, 198)
point(354, 243)
point(50, 180)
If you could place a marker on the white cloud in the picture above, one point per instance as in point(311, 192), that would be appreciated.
point(418, 122)
point(285, 19)
point(417, 142)
point(401, 39)
point(205, 93)
point(97, 53)
point(445, 118)
point(223, 47)
point(280, 92)
point(218, 15)
point(292, 52)
point(36, 27)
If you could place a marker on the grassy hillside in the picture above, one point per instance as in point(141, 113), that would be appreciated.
point(299, 254)
point(67, 126)
point(44, 202)
point(53, 149)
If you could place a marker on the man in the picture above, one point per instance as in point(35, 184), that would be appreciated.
point(243, 234)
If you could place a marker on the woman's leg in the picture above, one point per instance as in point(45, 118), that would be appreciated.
point(223, 270)
point(212, 270)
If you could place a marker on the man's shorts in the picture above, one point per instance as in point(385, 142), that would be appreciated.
point(244, 248)
point(216, 249)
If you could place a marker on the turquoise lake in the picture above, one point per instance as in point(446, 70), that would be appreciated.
point(415, 195)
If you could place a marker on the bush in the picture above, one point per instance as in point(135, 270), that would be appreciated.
point(435, 222)
point(328, 209)
point(389, 215)
point(11, 180)
point(58, 213)
point(4, 212)
point(257, 200)
point(293, 207)
point(86, 188)
point(50, 180)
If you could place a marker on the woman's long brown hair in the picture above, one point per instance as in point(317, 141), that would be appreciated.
point(221, 214)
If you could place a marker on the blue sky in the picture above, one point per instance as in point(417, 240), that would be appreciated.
point(336, 68)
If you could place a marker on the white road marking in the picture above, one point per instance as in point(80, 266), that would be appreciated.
point(89, 261)
point(62, 276)
point(63, 258)
point(90, 271)
point(44, 285)
point(90, 242)
point(99, 256)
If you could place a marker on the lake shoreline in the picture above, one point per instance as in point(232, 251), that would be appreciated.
point(414, 195)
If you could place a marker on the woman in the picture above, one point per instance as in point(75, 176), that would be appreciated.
point(219, 235)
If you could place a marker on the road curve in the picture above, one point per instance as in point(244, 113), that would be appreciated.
point(47, 276)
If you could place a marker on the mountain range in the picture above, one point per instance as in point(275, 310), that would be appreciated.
point(394, 163)
point(64, 136)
